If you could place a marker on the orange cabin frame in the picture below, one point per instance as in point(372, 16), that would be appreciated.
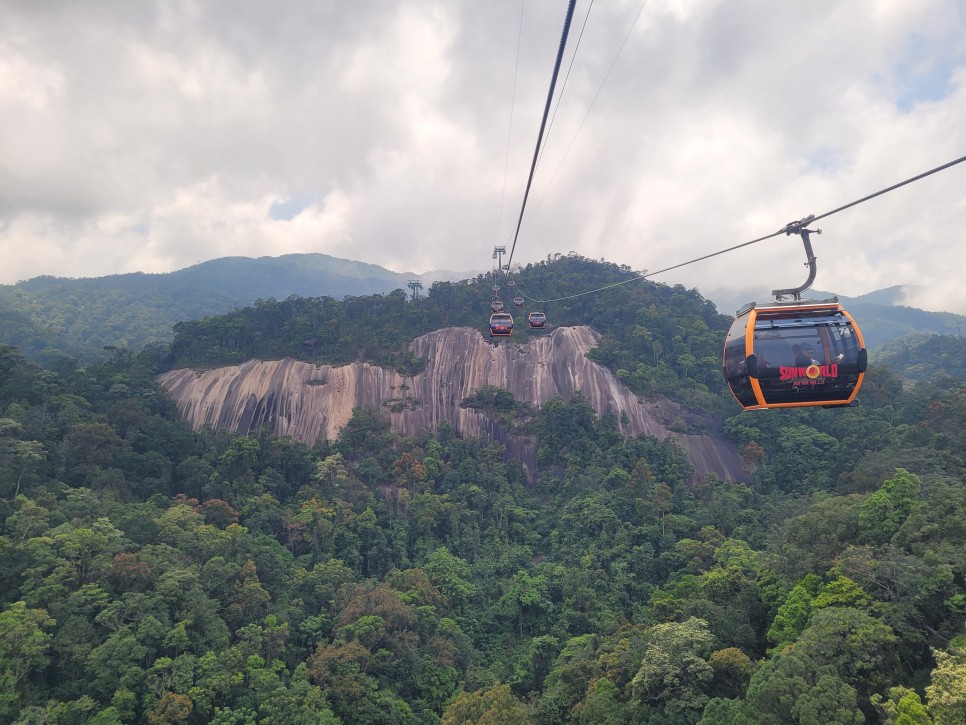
point(763, 370)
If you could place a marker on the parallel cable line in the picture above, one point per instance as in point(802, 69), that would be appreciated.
point(563, 87)
point(543, 123)
point(589, 108)
point(509, 131)
point(783, 231)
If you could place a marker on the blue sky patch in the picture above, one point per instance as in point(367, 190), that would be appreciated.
point(287, 210)
point(924, 71)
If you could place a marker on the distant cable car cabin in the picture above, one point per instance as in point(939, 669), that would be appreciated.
point(519, 301)
point(537, 320)
point(501, 324)
point(794, 353)
point(496, 305)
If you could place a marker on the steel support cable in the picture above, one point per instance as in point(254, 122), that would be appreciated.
point(923, 175)
point(787, 229)
point(563, 87)
point(589, 109)
point(651, 274)
point(509, 131)
point(543, 123)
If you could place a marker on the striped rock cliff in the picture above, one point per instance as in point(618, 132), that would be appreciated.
point(309, 402)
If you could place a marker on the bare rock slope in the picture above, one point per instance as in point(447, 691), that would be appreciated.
point(309, 402)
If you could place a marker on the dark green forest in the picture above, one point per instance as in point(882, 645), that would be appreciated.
point(52, 317)
point(657, 339)
point(921, 358)
point(150, 573)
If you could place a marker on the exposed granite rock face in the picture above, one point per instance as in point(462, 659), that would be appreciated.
point(309, 402)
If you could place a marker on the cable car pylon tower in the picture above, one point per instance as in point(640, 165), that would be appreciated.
point(415, 285)
point(498, 253)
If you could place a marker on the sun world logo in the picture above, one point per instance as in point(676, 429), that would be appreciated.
point(810, 372)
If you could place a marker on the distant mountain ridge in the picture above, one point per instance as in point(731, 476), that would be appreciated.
point(879, 314)
point(893, 296)
point(883, 319)
point(49, 316)
point(924, 358)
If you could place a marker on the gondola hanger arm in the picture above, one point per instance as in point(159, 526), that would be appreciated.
point(799, 227)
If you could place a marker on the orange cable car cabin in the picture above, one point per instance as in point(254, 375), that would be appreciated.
point(501, 324)
point(793, 355)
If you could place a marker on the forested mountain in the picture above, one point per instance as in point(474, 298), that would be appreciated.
point(921, 358)
point(656, 338)
point(49, 316)
point(153, 574)
point(881, 324)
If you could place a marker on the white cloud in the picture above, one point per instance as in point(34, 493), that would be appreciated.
point(149, 137)
point(25, 85)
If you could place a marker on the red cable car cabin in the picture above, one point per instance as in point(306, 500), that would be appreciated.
point(537, 320)
point(794, 355)
point(501, 324)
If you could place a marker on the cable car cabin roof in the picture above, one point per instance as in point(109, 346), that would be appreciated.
point(797, 354)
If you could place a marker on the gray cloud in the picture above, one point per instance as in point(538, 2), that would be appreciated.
point(150, 136)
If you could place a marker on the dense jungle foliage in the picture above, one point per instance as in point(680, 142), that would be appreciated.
point(149, 573)
point(921, 358)
point(656, 338)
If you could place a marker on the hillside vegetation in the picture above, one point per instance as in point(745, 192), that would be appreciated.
point(656, 338)
point(921, 358)
point(49, 317)
point(153, 574)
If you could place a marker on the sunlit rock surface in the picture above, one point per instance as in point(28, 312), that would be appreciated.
point(309, 402)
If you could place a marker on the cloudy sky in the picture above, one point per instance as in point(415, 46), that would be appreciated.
point(149, 136)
